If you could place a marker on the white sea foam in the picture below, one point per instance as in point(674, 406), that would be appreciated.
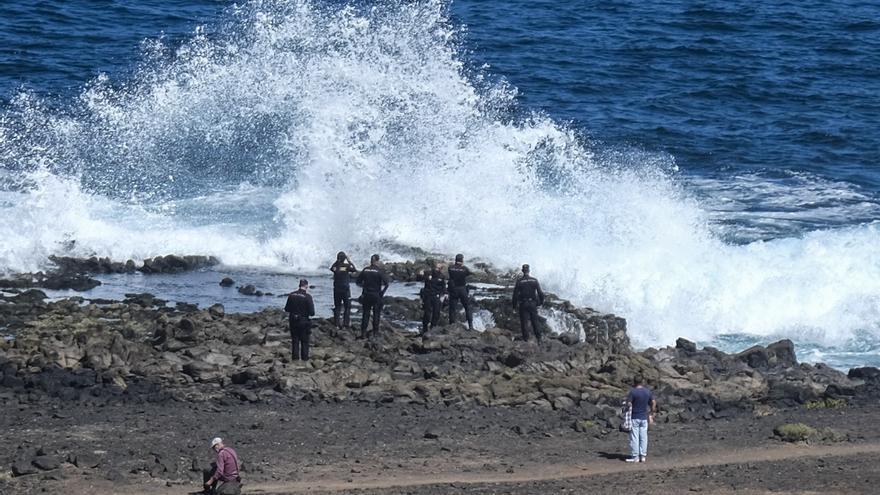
point(561, 322)
point(301, 129)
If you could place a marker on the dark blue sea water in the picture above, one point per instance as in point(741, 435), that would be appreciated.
point(774, 89)
point(711, 166)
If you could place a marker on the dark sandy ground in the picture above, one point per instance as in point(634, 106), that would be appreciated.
point(347, 447)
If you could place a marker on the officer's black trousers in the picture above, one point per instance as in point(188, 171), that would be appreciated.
point(430, 311)
point(372, 306)
point(300, 333)
point(528, 314)
point(342, 304)
point(460, 294)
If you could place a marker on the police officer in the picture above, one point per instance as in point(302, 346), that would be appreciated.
point(432, 297)
point(458, 290)
point(301, 307)
point(374, 283)
point(342, 270)
point(527, 296)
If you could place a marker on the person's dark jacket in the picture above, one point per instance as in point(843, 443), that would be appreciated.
point(527, 288)
point(342, 271)
point(458, 275)
point(300, 305)
point(435, 284)
point(373, 280)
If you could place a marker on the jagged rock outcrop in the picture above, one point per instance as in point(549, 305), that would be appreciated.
point(160, 264)
point(141, 350)
point(74, 273)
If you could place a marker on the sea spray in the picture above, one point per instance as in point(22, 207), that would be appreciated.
point(300, 128)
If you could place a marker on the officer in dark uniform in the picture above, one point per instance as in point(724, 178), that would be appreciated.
point(458, 290)
point(301, 307)
point(342, 270)
point(374, 283)
point(527, 296)
point(432, 297)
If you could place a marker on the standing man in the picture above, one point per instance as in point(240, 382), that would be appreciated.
point(342, 270)
point(527, 296)
point(223, 477)
point(458, 290)
point(643, 406)
point(374, 283)
point(432, 296)
point(301, 307)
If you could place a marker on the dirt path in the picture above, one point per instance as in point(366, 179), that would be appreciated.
point(352, 448)
point(535, 473)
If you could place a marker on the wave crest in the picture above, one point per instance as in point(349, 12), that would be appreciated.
point(297, 129)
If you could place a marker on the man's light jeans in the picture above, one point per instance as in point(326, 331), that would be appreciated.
point(638, 438)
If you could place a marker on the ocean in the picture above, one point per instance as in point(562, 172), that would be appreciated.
point(706, 170)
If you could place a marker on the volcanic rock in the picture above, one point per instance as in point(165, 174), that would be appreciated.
point(84, 460)
point(46, 462)
point(177, 264)
point(217, 311)
point(133, 351)
point(23, 468)
point(868, 373)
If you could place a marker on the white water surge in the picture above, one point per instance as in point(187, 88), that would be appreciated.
point(300, 129)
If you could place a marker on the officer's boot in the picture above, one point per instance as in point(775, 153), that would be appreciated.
point(336, 316)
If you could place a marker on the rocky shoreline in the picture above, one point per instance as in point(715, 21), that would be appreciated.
point(142, 353)
point(75, 273)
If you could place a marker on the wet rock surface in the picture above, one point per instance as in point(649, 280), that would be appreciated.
point(74, 273)
point(160, 264)
point(140, 349)
point(51, 280)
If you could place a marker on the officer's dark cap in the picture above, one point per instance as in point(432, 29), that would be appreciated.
point(303, 282)
point(525, 268)
point(459, 257)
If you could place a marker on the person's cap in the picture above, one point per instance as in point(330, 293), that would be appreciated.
point(459, 257)
point(375, 257)
point(525, 268)
point(216, 441)
point(303, 282)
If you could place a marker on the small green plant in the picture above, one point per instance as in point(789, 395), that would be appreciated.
point(794, 432)
point(827, 403)
point(832, 435)
point(584, 425)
